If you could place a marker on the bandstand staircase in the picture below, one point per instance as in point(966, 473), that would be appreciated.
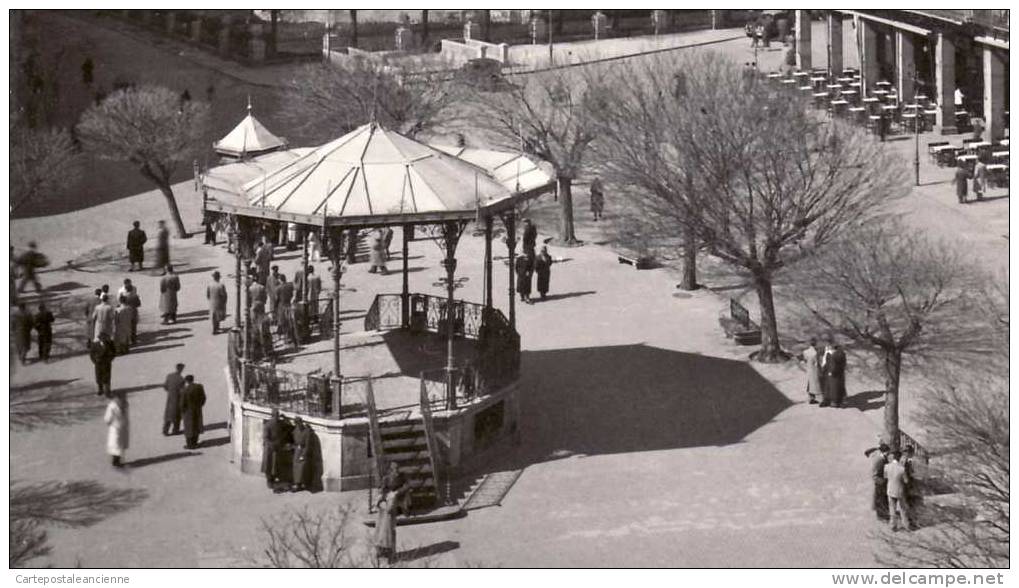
point(409, 442)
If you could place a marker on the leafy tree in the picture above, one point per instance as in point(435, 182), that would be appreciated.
point(549, 116)
point(42, 163)
point(151, 127)
point(898, 294)
point(745, 168)
point(327, 100)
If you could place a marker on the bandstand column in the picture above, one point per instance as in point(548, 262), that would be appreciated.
point(509, 219)
point(337, 274)
point(488, 261)
point(304, 267)
point(451, 235)
point(407, 231)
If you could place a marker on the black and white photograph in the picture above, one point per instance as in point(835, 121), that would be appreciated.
point(717, 292)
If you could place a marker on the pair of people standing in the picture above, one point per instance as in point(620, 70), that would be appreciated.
point(287, 454)
point(22, 324)
point(892, 474)
point(185, 400)
point(528, 264)
point(826, 374)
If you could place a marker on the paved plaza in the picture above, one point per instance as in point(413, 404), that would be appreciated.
point(647, 438)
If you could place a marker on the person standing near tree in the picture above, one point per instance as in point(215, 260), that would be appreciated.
point(118, 427)
point(173, 385)
point(813, 364)
point(838, 358)
point(878, 459)
point(21, 324)
point(168, 288)
point(192, 399)
point(597, 199)
point(43, 322)
point(543, 269)
point(215, 293)
point(162, 247)
point(895, 474)
point(136, 239)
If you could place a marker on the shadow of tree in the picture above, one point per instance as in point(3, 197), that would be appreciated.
point(53, 402)
point(76, 503)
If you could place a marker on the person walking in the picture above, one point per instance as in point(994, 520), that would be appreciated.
point(132, 299)
point(378, 258)
point(118, 427)
point(192, 399)
point(168, 288)
point(215, 293)
point(543, 269)
point(530, 239)
point(43, 323)
point(597, 199)
point(30, 262)
point(813, 364)
point(895, 474)
point(136, 239)
point(302, 459)
point(962, 177)
point(21, 324)
point(162, 247)
point(979, 179)
point(123, 318)
point(103, 318)
point(522, 265)
point(173, 385)
point(102, 353)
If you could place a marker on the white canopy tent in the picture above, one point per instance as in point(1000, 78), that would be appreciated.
point(249, 137)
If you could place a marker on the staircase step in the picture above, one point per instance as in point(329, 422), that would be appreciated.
point(420, 443)
point(400, 427)
point(424, 469)
point(404, 456)
point(428, 482)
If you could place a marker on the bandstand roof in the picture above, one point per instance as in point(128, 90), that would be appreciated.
point(373, 176)
point(248, 137)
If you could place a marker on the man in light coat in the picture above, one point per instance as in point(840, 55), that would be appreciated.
point(103, 318)
point(169, 285)
point(813, 365)
point(215, 293)
point(895, 473)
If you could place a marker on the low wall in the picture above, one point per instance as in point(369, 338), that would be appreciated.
point(458, 51)
point(466, 433)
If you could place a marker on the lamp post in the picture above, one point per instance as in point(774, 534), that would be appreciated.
point(916, 133)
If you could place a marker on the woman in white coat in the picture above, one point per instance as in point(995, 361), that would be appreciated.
point(813, 360)
point(117, 427)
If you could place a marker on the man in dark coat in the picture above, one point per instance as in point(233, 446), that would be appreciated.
point(162, 247)
point(29, 262)
point(833, 366)
point(530, 238)
point(43, 322)
point(275, 446)
point(171, 414)
point(303, 456)
point(136, 239)
point(543, 268)
point(132, 299)
point(192, 399)
point(523, 270)
point(102, 353)
point(314, 291)
point(263, 258)
point(284, 310)
point(272, 285)
point(962, 178)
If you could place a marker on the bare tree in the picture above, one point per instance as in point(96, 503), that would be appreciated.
point(327, 100)
point(968, 432)
point(750, 171)
point(549, 116)
point(899, 294)
point(152, 128)
point(311, 539)
point(42, 163)
point(28, 541)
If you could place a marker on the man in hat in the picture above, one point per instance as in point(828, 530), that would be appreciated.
point(215, 293)
point(173, 385)
point(136, 239)
point(192, 399)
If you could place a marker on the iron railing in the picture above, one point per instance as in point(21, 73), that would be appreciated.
point(311, 394)
point(387, 310)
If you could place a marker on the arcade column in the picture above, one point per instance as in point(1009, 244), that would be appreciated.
point(905, 65)
point(994, 94)
point(803, 61)
point(944, 74)
point(835, 43)
point(871, 65)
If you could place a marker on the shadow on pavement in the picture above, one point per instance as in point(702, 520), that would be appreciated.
point(864, 401)
point(53, 403)
point(426, 551)
point(147, 461)
point(564, 295)
point(205, 443)
point(77, 503)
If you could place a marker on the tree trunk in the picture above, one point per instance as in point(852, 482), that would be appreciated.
point(689, 262)
point(770, 351)
point(353, 28)
point(424, 30)
point(566, 234)
point(171, 203)
point(893, 367)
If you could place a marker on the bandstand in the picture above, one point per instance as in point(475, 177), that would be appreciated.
point(454, 392)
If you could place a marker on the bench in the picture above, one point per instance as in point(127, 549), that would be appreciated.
point(739, 327)
point(641, 263)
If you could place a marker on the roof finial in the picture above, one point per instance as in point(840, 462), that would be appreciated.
point(375, 95)
point(249, 103)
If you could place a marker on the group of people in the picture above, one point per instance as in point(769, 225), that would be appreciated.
point(894, 484)
point(978, 176)
point(288, 454)
point(23, 322)
point(136, 240)
point(528, 264)
point(271, 299)
point(826, 373)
